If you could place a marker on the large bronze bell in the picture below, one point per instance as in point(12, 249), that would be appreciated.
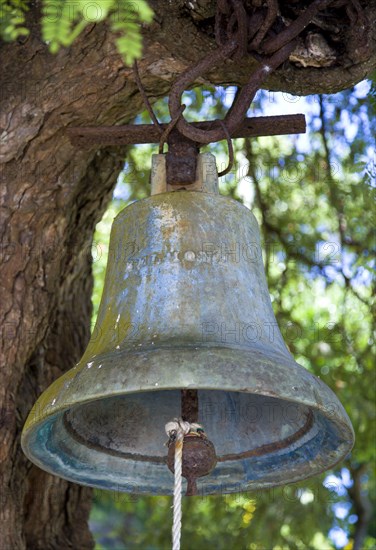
point(185, 305)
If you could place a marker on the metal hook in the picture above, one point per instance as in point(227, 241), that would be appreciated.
point(230, 151)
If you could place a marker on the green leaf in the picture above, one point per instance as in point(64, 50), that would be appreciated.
point(126, 21)
point(62, 22)
point(12, 17)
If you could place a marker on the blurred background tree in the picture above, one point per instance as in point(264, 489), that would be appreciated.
point(313, 196)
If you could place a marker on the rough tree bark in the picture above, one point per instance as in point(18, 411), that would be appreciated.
point(52, 196)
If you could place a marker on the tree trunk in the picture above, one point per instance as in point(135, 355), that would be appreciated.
point(52, 196)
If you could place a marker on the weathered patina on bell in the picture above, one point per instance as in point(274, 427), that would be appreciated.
point(186, 305)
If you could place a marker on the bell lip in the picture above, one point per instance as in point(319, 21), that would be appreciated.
point(312, 392)
point(250, 486)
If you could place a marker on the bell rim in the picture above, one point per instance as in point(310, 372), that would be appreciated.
point(250, 486)
point(274, 360)
point(337, 417)
point(255, 485)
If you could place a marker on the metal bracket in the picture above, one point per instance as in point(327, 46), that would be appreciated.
point(87, 137)
point(181, 159)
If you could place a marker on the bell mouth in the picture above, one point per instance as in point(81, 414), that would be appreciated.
point(118, 442)
point(262, 425)
point(271, 423)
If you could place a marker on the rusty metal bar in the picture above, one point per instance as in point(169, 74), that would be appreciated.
point(189, 405)
point(103, 136)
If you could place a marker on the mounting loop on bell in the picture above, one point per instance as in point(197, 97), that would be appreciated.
point(181, 158)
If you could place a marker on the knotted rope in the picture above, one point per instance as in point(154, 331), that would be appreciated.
point(176, 430)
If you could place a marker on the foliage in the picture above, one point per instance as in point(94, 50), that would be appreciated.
point(62, 22)
point(12, 19)
point(313, 197)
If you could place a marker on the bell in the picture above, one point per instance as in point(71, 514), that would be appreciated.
point(186, 306)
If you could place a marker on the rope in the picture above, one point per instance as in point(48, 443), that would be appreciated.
point(176, 430)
